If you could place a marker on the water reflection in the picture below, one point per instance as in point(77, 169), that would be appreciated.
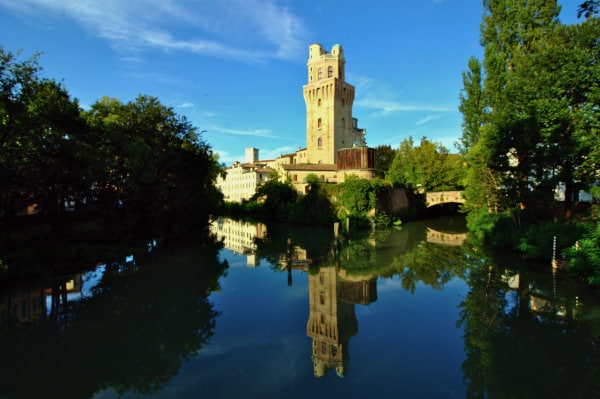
point(139, 330)
point(128, 327)
point(239, 237)
point(342, 276)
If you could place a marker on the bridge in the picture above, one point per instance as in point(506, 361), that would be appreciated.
point(444, 197)
point(440, 237)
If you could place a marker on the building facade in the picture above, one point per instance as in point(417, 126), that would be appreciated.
point(242, 179)
point(335, 146)
point(329, 98)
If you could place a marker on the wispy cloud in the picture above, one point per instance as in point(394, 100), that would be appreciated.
point(243, 132)
point(379, 96)
point(384, 107)
point(186, 105)
point(245, 30)
point(427, 119)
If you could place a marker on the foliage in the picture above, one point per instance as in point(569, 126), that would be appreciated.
point(531, 112)
point(139, 166)
point(428, 165)
point(584, 255)
point(155, 164)
point(356, 195)
point(472, 106)
point(277, 199)
point(384, 155)
point(314, 207)
point(538, 239)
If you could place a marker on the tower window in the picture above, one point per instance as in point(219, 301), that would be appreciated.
point(320, 143)
point(319, 123)
point(343, 123)
point(330, 72)
point(320, 73)
point(319, 102)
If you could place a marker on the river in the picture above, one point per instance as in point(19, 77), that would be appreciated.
point(415, 312)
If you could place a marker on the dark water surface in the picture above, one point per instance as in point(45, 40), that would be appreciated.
point(293, 313)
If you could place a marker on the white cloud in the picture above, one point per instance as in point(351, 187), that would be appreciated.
point(186, 105)
point(385, 107)
point(244, 132)
point(426, 119)
point(245, 30)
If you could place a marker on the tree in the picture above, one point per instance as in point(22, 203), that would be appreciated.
point(384, 155)
point(472, 106)
point(428, 165)
point(57, 168)
point(157, 173)
point(539, 119)
point(17, 81)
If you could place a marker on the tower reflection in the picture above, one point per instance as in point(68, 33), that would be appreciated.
point(332, 319)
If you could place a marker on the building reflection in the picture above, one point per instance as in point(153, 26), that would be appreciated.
point(332, 295)
point(546, 301)
point(31, 304)
point(239, 237)
point(332, 319)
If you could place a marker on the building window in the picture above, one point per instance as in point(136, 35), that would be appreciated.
point(295, 177)
point(320, 73)
point(330, 72)
point(319, 123)
point(322, 298)
point(322, 278)
point(319, 102)
point(320, 143)
point(343, 123)
point(333, 350)
point(324, 348)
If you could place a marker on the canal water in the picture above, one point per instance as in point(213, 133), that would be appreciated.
point(415, 312)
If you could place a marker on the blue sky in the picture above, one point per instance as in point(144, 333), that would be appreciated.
point(236, 68)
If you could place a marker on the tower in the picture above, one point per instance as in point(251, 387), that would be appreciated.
point(329, 122)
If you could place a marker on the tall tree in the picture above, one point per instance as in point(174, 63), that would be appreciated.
point(472, 105)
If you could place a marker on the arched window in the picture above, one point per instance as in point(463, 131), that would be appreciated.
point(320, 73)
point(319, 102)
point(319, 123)
point(343, 123)
point(330, 72)
point(320, 143)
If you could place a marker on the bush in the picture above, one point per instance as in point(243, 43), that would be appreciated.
point(537, 240)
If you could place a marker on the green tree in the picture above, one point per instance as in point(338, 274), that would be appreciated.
point(539, 119)
point(17, 81)
point(384, 155)
point(278, 198)
point(429, 166)
point(314, 207)
point(472, 106)
point(157, 173)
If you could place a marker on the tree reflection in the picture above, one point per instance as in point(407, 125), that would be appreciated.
point(523, 338)
point(133, 334)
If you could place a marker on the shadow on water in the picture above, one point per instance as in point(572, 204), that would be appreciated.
point(128, 326)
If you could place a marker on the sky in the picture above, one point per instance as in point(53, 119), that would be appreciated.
point(235, 68)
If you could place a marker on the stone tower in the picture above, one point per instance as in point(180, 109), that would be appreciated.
point(329, 122)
